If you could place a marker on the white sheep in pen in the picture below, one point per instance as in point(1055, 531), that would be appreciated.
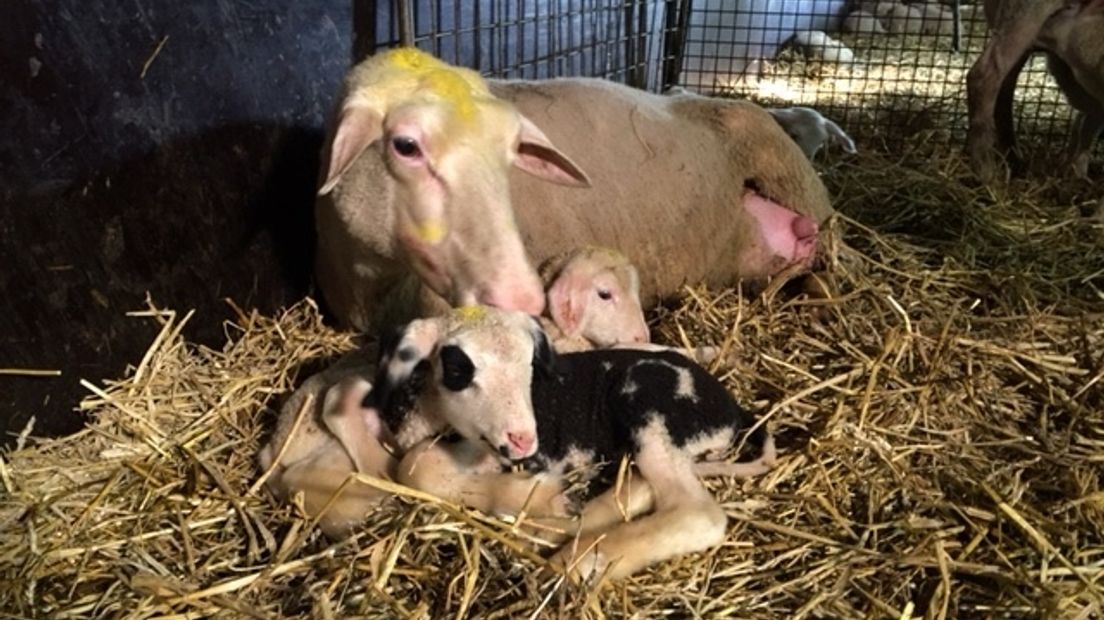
point(495, 380)
point(811, 130)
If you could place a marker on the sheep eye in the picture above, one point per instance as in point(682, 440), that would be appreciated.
point(604, 294)
point(406, 147)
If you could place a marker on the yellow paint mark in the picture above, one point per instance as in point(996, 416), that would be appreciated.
point(470, 313)
point(432, 231)
point(413, 59)
point(601, 251)
point(446, 82)
point(454, 89)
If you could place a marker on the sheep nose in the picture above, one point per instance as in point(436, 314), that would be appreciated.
point(522, 444)
point(804, 227)
point(528, 298)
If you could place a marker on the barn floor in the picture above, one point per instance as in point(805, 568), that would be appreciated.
point(941, 421)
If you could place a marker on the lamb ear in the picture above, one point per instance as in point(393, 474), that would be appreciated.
point(544, 356)
point(342, 415)
point(357, 128)
point(403, 354)
point(567, 301)
point(540, 158)
point(840, 136)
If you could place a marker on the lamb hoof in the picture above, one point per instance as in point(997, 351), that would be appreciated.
point(585, 568)
point(706, 354)
point(546, 503)
point(572, 500)
point(564, 505)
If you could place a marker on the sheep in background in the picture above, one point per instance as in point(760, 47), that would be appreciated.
point(592, 299)
point(936, 20)
point(593, 302)
point(811, 130)
point(862, 23)
point(1070, 33)
point(817, 45)
point(899, 18)
point(586, 409)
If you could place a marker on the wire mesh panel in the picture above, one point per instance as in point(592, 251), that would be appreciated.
point(622, 40)
point(881, 69)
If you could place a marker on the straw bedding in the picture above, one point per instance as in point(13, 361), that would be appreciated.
point(940, 420)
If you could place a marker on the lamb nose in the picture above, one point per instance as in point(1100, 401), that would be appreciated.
point(522, 443)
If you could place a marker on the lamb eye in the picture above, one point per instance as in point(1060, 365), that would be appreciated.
point(406, 147)
point(604, 294)
point(458, 371)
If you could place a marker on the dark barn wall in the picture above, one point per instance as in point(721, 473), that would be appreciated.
point(193, 181)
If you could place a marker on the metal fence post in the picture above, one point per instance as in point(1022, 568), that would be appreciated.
point(675, 23)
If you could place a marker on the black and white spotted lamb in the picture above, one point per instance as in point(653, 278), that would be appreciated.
point(611, 403)
point(659, 408)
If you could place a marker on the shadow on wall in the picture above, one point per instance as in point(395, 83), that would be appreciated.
point(223, 213)
point(726, 40)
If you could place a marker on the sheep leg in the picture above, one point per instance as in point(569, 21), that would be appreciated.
point(1086, 129)
point(637, 495)
point(1005, 117)
point(352, 445)
point(687, 519)
point(615, 505)
point(467, 473)
point(749, 469)
point(319, 479)
point(359, 430)
point(995, 70)
point(1087, 121)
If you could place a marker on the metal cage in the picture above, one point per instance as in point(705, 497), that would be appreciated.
point(904, 76)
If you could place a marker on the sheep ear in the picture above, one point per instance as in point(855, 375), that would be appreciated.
point(343, 416)
point(539, 157)
point(567, 301)
point(840, 136)
point(357, 128)
point(544, 357)
point(403, 360)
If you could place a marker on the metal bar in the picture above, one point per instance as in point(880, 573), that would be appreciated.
point(477, 34)
point(364, 29)
point(435, 27)
point(630, 48)
point(458, 29)
point(642, 36)
point(957, 23)
point(406, 24)
point(519, 50)
point(674, 40)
